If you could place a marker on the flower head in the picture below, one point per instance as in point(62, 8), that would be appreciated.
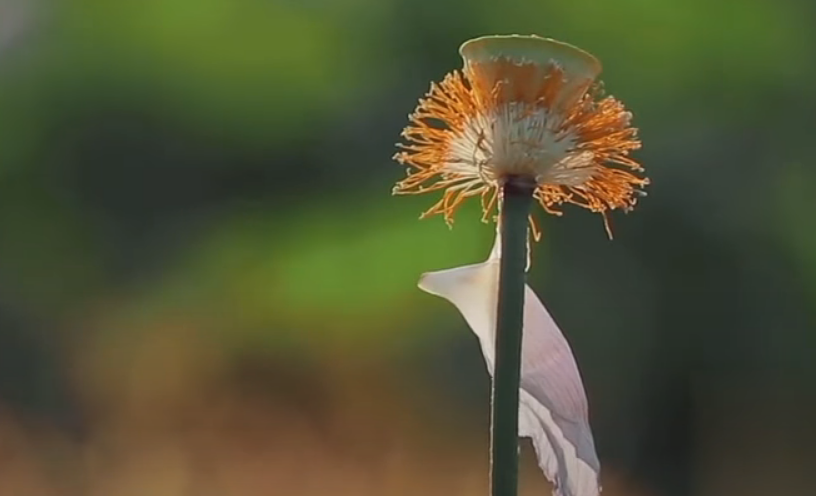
point(523, 106)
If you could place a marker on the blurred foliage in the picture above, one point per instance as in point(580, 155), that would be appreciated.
point(205, 284)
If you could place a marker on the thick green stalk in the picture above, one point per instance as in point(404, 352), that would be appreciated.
point(517, 201)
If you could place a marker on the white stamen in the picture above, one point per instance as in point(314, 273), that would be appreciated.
point(517, 140)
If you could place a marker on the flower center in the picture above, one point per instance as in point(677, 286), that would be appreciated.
point(517, 138)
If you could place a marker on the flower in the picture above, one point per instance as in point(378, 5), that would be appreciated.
point(553, 408)
point(522, 106)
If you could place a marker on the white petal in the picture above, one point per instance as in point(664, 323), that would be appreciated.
point(495, 252)
point(553, 405)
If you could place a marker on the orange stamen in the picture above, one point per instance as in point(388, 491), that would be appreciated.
point(455, 110)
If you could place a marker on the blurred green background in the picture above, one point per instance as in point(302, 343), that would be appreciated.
point(207, 289)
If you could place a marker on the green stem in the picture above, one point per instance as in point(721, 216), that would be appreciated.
point(516, 204)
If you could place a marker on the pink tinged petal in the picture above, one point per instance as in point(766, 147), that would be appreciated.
point(553, 408)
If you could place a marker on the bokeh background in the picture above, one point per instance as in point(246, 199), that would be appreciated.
point(206, 288)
